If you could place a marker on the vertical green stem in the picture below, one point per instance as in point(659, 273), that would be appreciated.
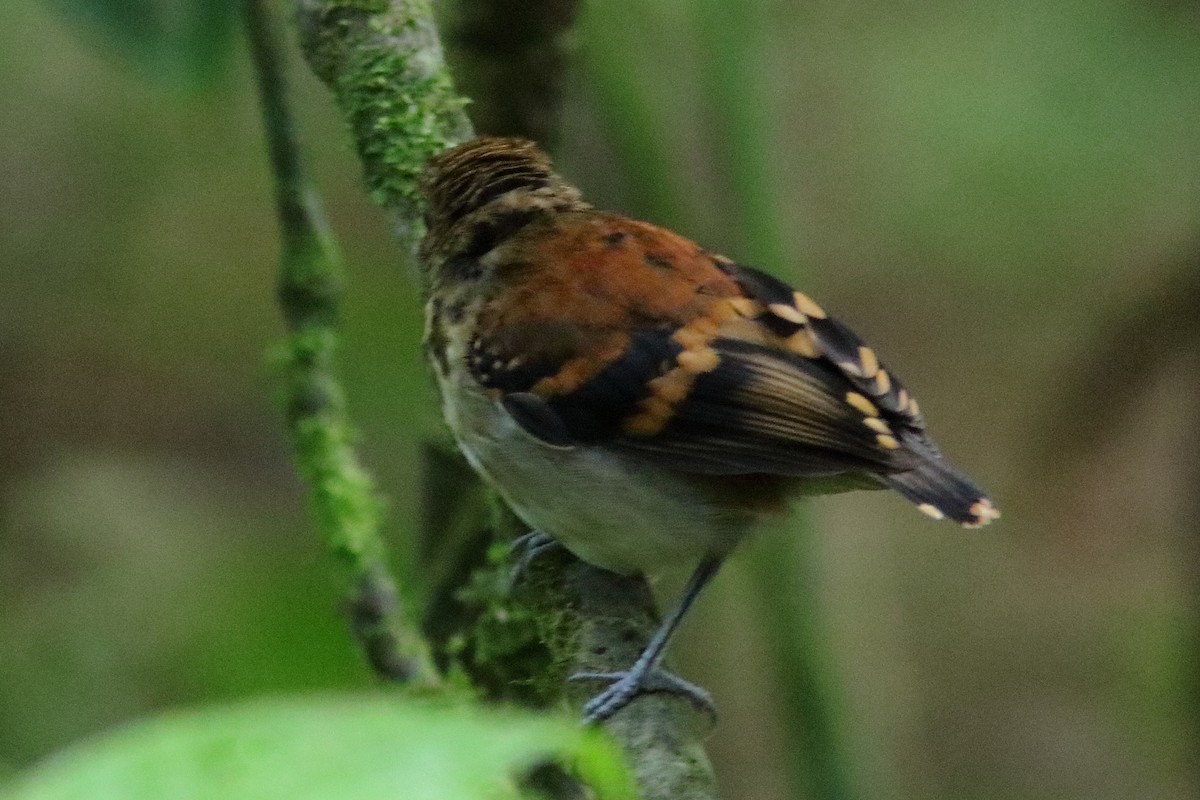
point(343, 497)
point(785, 577)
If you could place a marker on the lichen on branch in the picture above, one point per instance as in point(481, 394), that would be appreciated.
point(345, 504)
point(383, 62)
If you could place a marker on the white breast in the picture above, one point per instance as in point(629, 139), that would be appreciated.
point(614, 512)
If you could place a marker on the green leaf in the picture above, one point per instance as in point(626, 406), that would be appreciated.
point(344, 747)
point(175, 42)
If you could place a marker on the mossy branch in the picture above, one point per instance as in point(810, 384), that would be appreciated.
point(383, 62)
point(343, 497)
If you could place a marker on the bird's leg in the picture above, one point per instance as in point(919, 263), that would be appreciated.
point(526, 548)
point(655, 681)
point(644, 676)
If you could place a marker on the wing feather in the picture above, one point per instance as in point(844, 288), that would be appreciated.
point(833, 340)
point(764, 410)
point(682, 358)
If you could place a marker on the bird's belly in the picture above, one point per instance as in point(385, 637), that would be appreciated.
point(610, 511)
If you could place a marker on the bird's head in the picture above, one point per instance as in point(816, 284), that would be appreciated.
point(465, 179)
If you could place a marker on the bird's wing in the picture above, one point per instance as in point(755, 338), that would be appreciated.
point(622, 335)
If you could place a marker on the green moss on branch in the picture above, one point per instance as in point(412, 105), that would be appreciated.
point(384, 64)
point(345, 504)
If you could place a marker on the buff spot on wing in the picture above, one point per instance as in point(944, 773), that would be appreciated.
point(807, 307)
point(566, 380)
point(887, 441)
point(745, 307)
point(902, 400)
point(734, 309)
point(930, 510)
point(698, 361)
point(913, 408)
point(699, 332)
point(883, 382)
point(690, 339)
point(657, 407)
point(876, 424)
point(578, 371)
point(850, 368)
point(653, 417)
point(671, 388)
point(984, 511)
point(750, 330)
point(706, 326)
point(788, 312)
point(801, 343)
point(869, 362)
point(862, 404)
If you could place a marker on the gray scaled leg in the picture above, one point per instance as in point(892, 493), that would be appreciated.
point(644, 676)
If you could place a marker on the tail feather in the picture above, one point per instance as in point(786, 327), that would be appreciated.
point(940, 490)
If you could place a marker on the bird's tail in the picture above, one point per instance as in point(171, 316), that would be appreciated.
point(939, 489)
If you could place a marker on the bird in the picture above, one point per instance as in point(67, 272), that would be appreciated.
point(639, 400)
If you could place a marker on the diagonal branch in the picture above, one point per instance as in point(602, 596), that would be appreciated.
point(342, 493)
point(383, 62)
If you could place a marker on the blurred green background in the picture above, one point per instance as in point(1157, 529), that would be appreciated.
point(1004, 197)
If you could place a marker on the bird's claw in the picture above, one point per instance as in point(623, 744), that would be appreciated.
point(525, 550)
point(624, 687)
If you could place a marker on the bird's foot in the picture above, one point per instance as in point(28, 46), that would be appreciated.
point(525, 550)
point(625, 687)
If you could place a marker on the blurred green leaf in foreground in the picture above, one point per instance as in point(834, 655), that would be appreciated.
point(352, 747)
